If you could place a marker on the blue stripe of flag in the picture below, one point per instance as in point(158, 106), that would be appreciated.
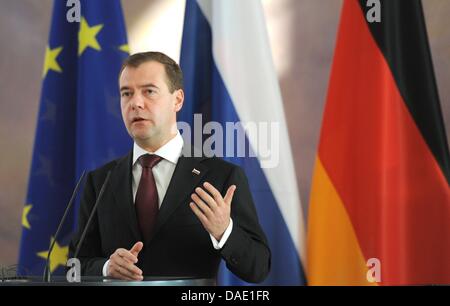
point(206, 93)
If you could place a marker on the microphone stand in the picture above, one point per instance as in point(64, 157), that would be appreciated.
point(47, 273)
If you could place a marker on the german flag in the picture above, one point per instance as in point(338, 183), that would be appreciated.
point(380, 198)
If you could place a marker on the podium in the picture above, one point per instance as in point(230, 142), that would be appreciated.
point(102, 281)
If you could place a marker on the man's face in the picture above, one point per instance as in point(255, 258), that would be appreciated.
point(148, 108)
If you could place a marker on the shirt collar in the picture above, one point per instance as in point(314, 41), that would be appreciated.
point(171, 151)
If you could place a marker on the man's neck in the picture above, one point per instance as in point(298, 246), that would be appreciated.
point(153, 146)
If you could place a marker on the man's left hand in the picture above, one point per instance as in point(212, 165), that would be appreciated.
point(212, 209)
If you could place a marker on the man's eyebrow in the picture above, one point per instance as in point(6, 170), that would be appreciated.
point(124, 88)
point(148, 85)
point(140, 86)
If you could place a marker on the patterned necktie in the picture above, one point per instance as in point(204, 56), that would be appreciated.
point(147, 196)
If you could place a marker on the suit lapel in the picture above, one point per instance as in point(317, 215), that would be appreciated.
point(122, 191)
point(183, 182)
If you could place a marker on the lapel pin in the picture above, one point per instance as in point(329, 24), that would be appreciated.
point(195, 171)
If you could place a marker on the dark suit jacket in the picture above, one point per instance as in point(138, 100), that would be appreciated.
point(180, 246)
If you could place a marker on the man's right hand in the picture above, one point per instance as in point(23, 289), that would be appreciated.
point(122, 264)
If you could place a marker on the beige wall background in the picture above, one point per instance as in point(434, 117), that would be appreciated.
point(302, 35)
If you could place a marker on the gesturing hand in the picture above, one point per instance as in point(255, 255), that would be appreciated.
point(122, 263)
point(213, 211)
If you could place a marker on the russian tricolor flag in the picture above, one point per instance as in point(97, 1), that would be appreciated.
point(230, 77)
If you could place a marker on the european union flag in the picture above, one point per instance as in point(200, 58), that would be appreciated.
point(79, 124)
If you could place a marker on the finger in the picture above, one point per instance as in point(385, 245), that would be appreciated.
point(229, 195)
point(116, 259)
point(129, 275)
point(114, 272)
point(126, 274)
point(137, 247)
point(214, 192)
point(127, 255)
point(116, 275)
point(203, 219)
point(205, 208)
point(206, 198)
point(119, 261)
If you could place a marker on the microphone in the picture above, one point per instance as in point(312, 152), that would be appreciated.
point(86, 227)
point(47, 273)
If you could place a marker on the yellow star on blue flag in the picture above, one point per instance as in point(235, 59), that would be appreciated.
point(25, 212)
point(87, 36)
point(58, 257)
point(50, 62)
point(125, 48)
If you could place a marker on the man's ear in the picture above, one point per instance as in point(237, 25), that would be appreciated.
point(179, 99)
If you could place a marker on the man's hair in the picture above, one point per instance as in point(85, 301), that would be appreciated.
point(173, 71)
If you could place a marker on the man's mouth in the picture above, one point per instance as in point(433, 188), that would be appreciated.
point(137, 119)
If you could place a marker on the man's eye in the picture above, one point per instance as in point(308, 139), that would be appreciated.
point(125, 94)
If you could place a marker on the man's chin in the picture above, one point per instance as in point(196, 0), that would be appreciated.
point(141, 137)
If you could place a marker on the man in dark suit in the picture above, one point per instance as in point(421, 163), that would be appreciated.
point(164, 213)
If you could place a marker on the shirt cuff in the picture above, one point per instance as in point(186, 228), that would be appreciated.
point(105, 268)
point(219, 244)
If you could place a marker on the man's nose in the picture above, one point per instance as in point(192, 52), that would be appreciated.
point(137, 101)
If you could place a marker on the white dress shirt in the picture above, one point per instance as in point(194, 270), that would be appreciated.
point(162, 172)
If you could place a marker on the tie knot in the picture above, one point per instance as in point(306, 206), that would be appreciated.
point(149, 161)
